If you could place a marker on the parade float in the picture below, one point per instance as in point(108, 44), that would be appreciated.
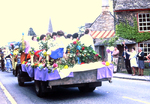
point(80, 67)
point(15, 57)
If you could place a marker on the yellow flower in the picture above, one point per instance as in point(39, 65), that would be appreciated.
point(66, 67)
point(45, 53)
point(23, 62)
point(15, 52)
point(107, 63)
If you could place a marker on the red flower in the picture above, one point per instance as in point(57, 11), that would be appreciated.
point(26, 62)
point(83, 48)
point(74, 42)
point(55, 65)
point(96, 55)
point(82, 63)
point(77, 51)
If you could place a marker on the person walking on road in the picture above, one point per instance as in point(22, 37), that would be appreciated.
point(8, 64)
point(141, 61)
point(133, 60)
point(115, 55)
point(2, 60)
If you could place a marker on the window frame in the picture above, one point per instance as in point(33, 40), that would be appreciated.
point(145, 22)
point(145, 46)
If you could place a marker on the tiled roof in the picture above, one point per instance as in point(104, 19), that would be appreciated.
point(118, 42)
point(88, 25)
point(132, 4)
point(102, 34)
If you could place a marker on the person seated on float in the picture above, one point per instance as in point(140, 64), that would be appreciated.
point(34, 44)
point(52, 42)
point(62, 41)
point(85, 37)
point(42, 38)
point(49, 35)
point(59, 50)
point(54, 35)
point(69, 36)
point(69, 39)
point(75, 36)
point(34, 38)
point(81, 36)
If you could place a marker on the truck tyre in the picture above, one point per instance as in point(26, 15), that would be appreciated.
point(20, 82)
point(40, 88)
point(86, 89)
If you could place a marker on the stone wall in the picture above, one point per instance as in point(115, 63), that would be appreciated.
point(127, 15)
point(105, 22)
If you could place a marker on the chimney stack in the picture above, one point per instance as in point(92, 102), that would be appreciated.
point(105, 6)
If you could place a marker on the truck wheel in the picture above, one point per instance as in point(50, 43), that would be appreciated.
point(21, 83)
point(86, 89)
point(39, 88)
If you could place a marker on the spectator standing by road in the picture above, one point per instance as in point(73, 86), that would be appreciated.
point(141, 61)
point(126, 56)
point(115, 55)
point(133, 60)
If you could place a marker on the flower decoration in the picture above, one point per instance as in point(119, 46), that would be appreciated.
point(82, 63)
point(40, 65)
point(103, 62)
point(38, 38)
point(78, 47)
point(36, 64)
point(44, 53)
point(83, 48)
point(66, 67)
point(11, 53)
point(74, 42)
point(107, 63)
point(108, 51)
point(23, 62)
point(55, 65)
point(26, 62)
point(31, 52)
point(96, 55)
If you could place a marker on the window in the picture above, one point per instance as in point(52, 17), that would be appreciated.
point(146, 48)
point(144, 21)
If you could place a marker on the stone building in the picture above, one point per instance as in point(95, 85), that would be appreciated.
point(139, 9)
point(102, 27)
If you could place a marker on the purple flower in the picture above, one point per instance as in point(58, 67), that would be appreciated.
point(108, 51)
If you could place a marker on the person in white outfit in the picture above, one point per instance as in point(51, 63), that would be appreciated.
point(87, 39)
point(133, 61)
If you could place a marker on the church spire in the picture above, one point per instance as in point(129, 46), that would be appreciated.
point(50, 28)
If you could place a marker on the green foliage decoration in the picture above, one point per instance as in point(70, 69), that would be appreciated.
point(127, 31)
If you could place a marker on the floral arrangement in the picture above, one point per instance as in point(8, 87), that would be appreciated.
point(78, 53)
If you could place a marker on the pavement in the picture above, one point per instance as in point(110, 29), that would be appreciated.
point(129, 76)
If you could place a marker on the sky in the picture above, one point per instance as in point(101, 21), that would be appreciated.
point(17, 16)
